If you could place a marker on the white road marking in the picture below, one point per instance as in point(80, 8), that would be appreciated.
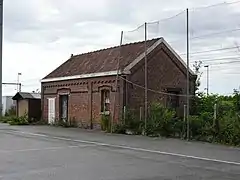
point(44, 149)
point(34, 134)
point(37, 149)
point(138, 149)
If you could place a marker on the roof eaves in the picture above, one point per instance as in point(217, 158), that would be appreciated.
point(83, 76)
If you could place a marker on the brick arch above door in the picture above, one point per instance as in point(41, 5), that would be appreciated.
point(63, 91)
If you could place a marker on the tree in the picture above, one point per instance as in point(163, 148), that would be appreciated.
point(236, 100)
point(195, 100)
point(197, 66)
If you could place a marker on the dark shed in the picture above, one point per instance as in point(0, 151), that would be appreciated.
point(28, 104)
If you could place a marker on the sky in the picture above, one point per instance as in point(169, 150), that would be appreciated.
point(39, 35)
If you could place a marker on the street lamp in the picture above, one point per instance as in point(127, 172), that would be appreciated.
point(18, 83)
point(207, 66)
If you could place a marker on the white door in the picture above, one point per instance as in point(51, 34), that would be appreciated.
point(51, 110)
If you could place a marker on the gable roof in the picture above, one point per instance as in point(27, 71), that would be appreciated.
point(104, 62)
point(26, 95)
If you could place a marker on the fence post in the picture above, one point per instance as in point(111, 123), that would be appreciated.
point(184, 121)
point(124, 114)
point(140, 113)
point(215, 115)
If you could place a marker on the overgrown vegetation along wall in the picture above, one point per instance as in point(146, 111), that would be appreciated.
point(162, 121)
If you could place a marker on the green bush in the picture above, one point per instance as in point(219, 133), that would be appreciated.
point(178, 127)
point(62, 123)
point(65, 123)
point(201, 128)
point(19, 121)
point(5, 119)
point(132, 123)
point(161, 121)
point(106, 123)
point(229, 130)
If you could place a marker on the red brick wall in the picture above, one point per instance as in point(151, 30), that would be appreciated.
point(164, 71)
point(79, 105)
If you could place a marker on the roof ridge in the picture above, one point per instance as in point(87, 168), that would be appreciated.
point(113, 47)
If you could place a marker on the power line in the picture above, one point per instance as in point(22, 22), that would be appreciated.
point(230, 62)
point(155, 91)
point(213, 50)
point(207, 35)
point(214, 59)
point(214, 5)
point(217, 33)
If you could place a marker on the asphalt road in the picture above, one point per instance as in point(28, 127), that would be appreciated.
point(41, 153)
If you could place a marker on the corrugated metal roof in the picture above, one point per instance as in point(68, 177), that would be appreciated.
point(101, 61)
point(26, 95)
point(36, 95)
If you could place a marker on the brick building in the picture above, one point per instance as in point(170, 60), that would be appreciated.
point(84, 86)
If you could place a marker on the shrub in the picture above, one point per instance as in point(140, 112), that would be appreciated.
point(160, 121)
point(229, 130)
point(163, 122)
point(106, 123)
point(65, 123)
point(201, 128)
point(5, 119)
point(178, 127)
point(132, 123)
point(19, 120)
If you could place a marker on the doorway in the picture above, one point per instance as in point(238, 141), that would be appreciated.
point(51, 110)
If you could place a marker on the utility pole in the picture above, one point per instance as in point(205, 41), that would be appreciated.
point(116, 82)
point(146, 79)
point(215, 115)
point(207, 66)
point(1, 39)
point(19, 85)
point(188, 104)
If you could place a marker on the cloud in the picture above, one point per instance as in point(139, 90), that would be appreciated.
point(39, 35)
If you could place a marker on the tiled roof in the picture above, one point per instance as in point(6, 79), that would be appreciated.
point(100, 61)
